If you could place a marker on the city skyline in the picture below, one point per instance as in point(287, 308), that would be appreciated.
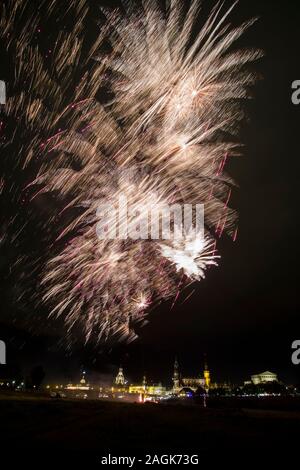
point(244, 314)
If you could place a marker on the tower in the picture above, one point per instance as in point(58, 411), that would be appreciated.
point(176, 376)
point(120, 380)
point(144, 383)
point(206, 374)
point(83, 379)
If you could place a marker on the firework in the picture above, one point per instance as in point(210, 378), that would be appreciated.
point(146, 111)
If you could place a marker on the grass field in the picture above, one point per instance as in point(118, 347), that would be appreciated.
point(41, 429)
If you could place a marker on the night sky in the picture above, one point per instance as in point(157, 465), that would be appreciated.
point(244, 315)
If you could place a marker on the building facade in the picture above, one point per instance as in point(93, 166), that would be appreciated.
point(201, 381)
point(264, 377)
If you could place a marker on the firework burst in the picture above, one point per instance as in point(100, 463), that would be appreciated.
point(144, 110)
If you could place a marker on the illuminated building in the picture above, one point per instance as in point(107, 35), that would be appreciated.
point(144, 382)
point(83, 385)
point(192, 383)
point(206, 376)
point(264, 377)
point(119, 382)
point(120, 379)
point(147, 389)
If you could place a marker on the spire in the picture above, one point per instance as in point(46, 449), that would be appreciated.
point(176, 368)
point(120, 380)
point(176, 375)
point(205, 362)
point(206, 373)
point(83, 379)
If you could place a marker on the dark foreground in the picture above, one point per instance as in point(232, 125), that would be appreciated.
point(41, 430)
